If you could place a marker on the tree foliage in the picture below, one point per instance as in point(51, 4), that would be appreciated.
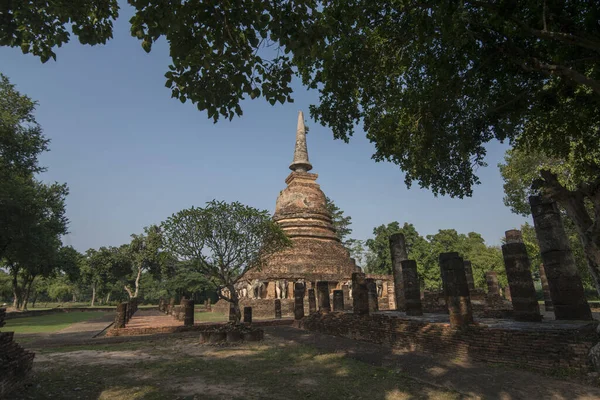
point(223, 241)
point(340, 222)
point(431, 82)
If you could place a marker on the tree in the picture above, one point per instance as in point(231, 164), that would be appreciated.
point(146, 255)
point(577, 192)
point(340, 222)
point(105, 267)
point(223, 241)
point(39, 26)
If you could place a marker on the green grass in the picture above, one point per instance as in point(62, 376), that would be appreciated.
point(48, 323)
point(210, 317)
point(184, 369)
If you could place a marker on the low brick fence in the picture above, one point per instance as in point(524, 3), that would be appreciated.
point(15, 362)
point(540, 349)
point(194, 328)
point(261, 308)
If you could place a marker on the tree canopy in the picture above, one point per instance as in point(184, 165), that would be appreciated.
point(431, 82)
point(223, 241)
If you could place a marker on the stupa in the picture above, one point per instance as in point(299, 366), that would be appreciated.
point(316, 253)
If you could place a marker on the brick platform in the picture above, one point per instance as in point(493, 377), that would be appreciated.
point(15, 362)
point(546, 346)
point(152, 322)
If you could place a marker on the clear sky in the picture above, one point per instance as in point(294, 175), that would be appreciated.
point(132, 156)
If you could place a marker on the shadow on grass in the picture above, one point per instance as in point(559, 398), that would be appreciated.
point(189, 370)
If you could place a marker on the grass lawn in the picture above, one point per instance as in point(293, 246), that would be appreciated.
point(182, 368)
point(204, 316)
point(49, 323)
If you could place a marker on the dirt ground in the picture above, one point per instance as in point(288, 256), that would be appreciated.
point(289, 364)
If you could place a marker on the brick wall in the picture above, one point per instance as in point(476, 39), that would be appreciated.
point(262, 308)
point(195, 328)
point(540, 349)
point(15, 362)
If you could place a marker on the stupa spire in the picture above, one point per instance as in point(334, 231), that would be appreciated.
point(300, 163)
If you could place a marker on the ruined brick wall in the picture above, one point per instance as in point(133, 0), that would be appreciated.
point(538, 349)
point(262, 308)
point(15, 362)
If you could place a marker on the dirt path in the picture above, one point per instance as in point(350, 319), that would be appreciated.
point(476, 380)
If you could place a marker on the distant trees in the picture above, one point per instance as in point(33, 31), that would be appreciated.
point(426, 250)
point(222, 241)
point(32, 213)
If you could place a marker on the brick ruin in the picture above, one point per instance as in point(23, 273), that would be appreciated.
point(15, 362)
point(317, 258)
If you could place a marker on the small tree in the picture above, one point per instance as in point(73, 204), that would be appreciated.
point(222, 241)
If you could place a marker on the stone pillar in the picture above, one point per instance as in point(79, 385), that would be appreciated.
point(372, 295)
point(171, 305)
point(456, 289)
point(248, 315)
point(298, 301)
point(323, 294)
point(491, 278)
point(338, 300)
point(312, 302)
point(188, 312)
point(160, 304)
point(360, 296)
point(231, 312)
point(469, 274)
point(208, 304)
point(518, 273)
point(507, 294)
point(399, 254)
point(564, 282)
point(412, 289)
point(277, 309)
point(121, 317)
point(546, 290)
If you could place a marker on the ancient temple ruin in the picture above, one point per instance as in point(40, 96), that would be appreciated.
point(317, 255)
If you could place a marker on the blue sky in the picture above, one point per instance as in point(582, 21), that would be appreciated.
point(132, 156)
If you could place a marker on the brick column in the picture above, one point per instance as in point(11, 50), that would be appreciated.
point(338, 300)
point(456, 289)
point(248, 315)
point(491, 278)
point(188, 312)
point(412, 289)
point(312, 302)
point(469, 274)
point(277, 309)
point(160, 304)
point(121, 317)
point(323, 295)
point(546, 289)
point(518, 273)
point(171, 305)
point(360, 296)
point(208, 305)
point(399, 254)
point(372, 295)
point(564, 282)
point(298, 301)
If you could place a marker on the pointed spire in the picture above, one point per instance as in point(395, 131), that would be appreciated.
point(300, 163)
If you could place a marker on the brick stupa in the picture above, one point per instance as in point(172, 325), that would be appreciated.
point(317, 253)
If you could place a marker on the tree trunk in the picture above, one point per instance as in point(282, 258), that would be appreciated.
point(107, 298)
point(236, 303)
point(28, 283)
point(137, 282)
point(93, 295)
point(588, 229)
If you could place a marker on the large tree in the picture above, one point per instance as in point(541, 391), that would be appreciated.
point(222, 241)
point(431, 82)
point(146, 255)
point(564, 180)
